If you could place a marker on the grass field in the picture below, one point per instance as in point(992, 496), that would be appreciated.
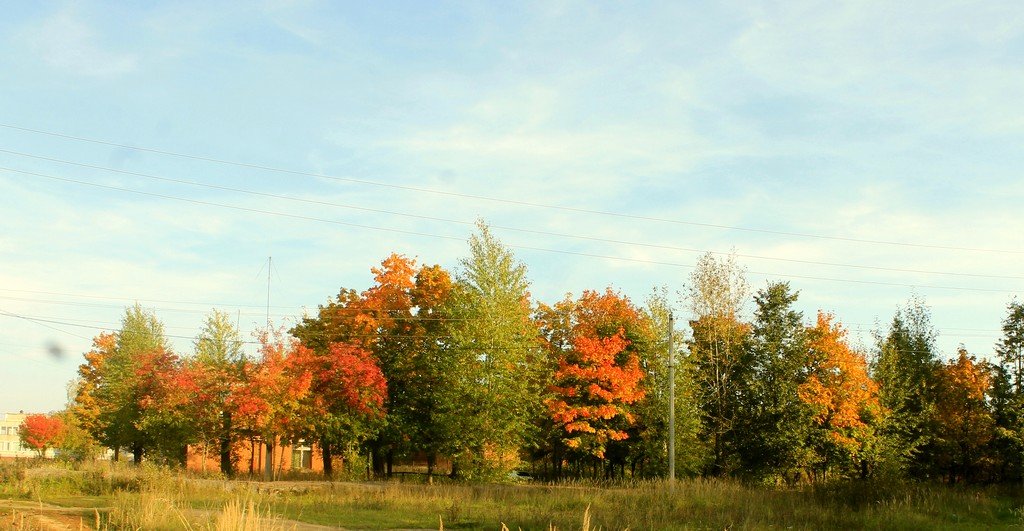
point(124, 497)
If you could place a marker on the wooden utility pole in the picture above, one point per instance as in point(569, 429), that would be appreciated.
point(671, 406)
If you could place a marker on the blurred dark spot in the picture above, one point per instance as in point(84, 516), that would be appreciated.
point(55, 350)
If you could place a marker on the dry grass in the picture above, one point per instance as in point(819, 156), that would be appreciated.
point(145, 498)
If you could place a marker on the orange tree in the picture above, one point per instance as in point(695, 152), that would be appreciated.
point(595, 347)
point(965, 423)
point(41, 432)
point(269, 405)
point(163, 392)
point(87, 406)
point(844, 399)
point(399, 321)
point(594, 384)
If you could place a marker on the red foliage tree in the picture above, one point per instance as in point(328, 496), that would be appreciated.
point(346, 396)
point(41, 432)
point(269, 404)
point(594, 383)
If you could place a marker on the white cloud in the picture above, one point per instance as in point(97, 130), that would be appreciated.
point(936, 66)
point(68, 42)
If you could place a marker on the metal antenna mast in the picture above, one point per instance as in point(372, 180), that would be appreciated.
point(270, 260)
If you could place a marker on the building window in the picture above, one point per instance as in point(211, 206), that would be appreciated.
point(302, 456)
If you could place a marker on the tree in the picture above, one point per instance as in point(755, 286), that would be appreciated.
point(774, 421)
point(496, 341)
point(108, 400)
point(1008, 394)
point(87, 406)
point(905, 367)
point(1010, 348)
point(41, 432)
point(217, 370)
point(401, 320)
point(843, 399)
point(76, 444)
point(965, 422)
point(717, 347)
point(270, 403)
point(164, 393)
point(346, 397)
point(594, 384)
point(588, 381)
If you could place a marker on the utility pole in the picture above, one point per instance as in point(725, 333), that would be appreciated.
point(671, 406)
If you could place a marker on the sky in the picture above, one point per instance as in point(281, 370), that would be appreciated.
point(159, 153)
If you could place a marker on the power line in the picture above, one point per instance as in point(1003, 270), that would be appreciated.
point(139, 299)
point(42, 323)
point(335, 309)
point(508, 201)
point(45, 322)
point(540, 249)
point(349, 337)
point(500, 227)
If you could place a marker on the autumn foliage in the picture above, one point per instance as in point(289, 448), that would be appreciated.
point(594, 383)
point(462, 368)
point(844, 398)
point(41, 432)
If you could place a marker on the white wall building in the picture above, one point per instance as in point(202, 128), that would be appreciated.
point(10, 443)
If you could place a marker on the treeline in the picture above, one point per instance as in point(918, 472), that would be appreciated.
point(467, 369)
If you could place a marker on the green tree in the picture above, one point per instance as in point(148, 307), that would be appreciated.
point(905, 368)
point(112, 382)
point(1008, 395)
point(775, 422)
point(501, 382)
point(77, 444)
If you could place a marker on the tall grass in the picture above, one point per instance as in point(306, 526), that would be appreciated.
point(152, 498)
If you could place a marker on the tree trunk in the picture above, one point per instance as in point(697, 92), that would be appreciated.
point(431, 460)
point(377, 462)
point(268, 463)
point(137, 451)
point(455, 469)
point(227, 466)
point(280, 464)
point(328, 466)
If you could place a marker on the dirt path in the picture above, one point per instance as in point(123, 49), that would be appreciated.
point(19, 514)
point(26, 515)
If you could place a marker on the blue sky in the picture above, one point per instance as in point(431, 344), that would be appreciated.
point(862, 120)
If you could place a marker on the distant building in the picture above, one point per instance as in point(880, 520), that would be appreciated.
point(10, 443)
point(250, 458)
